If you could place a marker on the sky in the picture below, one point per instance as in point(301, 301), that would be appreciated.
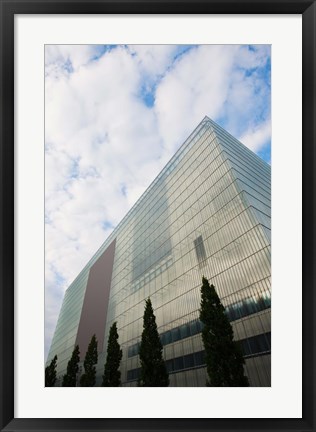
point(114, 116)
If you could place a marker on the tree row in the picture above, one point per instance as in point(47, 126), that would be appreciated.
point(223, 356)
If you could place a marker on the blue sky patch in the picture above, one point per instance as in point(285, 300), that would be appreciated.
point(106, 225)
point(148, 97)
point(265, 153)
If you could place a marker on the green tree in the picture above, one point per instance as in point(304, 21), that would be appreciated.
point(153, 369)
point(91, 359)
point(50, 373)
point(224, 360)
point(70, 378)
point(112, 375)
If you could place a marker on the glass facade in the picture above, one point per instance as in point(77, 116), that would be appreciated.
point(207, 213)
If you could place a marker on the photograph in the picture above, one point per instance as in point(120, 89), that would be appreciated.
point(151, 155)
point(158, 215)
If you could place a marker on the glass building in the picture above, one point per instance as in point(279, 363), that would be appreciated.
point(207, 213)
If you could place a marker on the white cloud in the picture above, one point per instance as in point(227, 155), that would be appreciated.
point(74, 56)
point(256, 137)
point(154, 60)
point(105, 143)
point(196, 86)
point(254, 57)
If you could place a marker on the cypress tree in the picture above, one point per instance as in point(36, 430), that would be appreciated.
point(91, 359)
point(224, 360)
point(112, 375)
point(70, 378)
point(153, 369)
point(50, 373)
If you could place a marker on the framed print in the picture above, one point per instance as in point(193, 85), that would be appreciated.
point(151, 155)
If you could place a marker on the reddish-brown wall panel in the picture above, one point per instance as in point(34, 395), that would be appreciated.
point(95, 304)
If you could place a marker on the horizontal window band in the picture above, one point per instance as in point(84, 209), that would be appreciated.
point(254, 346)
point(234, 312)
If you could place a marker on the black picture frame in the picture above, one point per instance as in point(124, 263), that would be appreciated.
point(8, 9)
